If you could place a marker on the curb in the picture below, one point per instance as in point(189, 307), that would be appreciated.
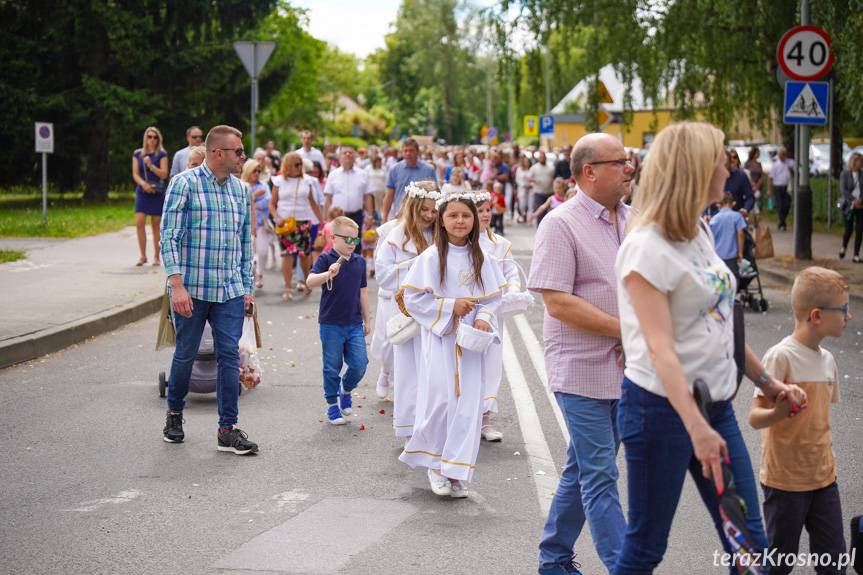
point(30, 346)
point(784, 280)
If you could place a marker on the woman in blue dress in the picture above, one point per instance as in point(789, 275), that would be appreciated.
point(149, 169)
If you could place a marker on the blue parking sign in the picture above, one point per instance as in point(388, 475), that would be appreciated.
point(546, 125)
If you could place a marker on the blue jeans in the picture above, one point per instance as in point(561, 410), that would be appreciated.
point(226, 321)
point(658, 455)
point(342, 343)
point(588, 484)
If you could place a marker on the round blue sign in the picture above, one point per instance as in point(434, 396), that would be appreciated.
point(44, 132)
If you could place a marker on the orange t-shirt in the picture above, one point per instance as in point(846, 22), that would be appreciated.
point(797, 453)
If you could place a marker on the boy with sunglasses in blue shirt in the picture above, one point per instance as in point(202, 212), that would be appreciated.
point(798, 465)
point(344, 316)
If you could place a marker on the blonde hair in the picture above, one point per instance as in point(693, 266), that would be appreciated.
point(676, 179)
point(159, 147)
point(341, 222)
point(288, 161)
point(411, 209)
point(815, 287)
point(199, 150)
point(248, 168)
point(334, 212)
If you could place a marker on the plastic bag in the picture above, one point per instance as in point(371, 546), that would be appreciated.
point(250, 365)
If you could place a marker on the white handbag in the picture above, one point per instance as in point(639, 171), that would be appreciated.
point(401, 329)
point(515, 302)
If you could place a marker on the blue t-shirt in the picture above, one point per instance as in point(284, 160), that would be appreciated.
point(401, 175)
point(724, 226)
point(341, 305)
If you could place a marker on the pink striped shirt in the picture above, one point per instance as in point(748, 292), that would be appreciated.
point(574, 252)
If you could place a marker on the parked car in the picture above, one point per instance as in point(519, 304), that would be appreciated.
point(819, 158)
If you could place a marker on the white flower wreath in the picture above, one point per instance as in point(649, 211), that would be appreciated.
point(414, 191)
point(476, 198)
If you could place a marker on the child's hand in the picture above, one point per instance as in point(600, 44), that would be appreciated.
point(796, 398)
point(463, 307)
point(530, 218)
point(482, 325)
point(367, 327)
point(782, 404)
point(334, 270)
point(739, 257)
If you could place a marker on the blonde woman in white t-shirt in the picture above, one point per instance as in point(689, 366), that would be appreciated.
point(676, 298)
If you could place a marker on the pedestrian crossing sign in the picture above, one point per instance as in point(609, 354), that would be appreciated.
point(806, 103)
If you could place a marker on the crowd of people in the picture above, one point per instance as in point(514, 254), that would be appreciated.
point(646, 278)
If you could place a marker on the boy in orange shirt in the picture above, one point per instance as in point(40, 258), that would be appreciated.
point(798, 466)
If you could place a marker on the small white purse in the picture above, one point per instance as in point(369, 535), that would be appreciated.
point(402, 328)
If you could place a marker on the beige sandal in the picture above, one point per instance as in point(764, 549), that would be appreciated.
point(287, 296)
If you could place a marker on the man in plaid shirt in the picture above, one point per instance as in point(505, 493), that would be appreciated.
point(573, 267)
point(207, 251)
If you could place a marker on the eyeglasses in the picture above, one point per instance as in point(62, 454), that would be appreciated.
point(199, 137)
point(256, 171)
point(621, 162)
point(348, 239)
point(152, 137)
point(846, 310)
point(298, 165)
point(239, 151)
point(733, 157)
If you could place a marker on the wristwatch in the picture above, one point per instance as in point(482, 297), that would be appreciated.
point(759, 383)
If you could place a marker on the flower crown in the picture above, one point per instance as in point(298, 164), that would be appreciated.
point(476, 198)
point(414, 191)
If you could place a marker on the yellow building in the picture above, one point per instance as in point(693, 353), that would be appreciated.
point(646, 118)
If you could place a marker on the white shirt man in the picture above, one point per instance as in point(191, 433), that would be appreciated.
point(777, 184)
point(195, 137)
point(307, 152)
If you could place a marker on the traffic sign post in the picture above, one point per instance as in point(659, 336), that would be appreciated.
point(254, 55)
point(804, 56)
point(45, 145)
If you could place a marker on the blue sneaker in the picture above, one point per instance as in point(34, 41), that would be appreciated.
point(569, 567)
point(335, 416)
point(345, 403)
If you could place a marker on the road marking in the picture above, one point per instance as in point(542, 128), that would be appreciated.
point(122, 497)
point(534, 439)
point(534, 350)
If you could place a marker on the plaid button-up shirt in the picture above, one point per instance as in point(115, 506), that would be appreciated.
point(206, 235)
point(574, 252)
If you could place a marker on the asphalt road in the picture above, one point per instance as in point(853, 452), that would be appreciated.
point(90, 487)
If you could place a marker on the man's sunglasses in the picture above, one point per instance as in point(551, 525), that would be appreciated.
point(239, 151)
point(348, 239)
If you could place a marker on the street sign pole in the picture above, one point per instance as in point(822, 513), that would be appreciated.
point(254, 55)
point(44, 188)
point(803, 201)
point(830, 169)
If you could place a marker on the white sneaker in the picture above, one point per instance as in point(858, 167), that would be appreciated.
point(491, 434)
point(458, 491)
point(439, 484)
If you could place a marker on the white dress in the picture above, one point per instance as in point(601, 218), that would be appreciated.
point(501, 249)
point(447, 431)
point(392, 263)
point(381, 348)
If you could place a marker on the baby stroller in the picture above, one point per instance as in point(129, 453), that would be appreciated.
point(205, 372)
point(749, 281)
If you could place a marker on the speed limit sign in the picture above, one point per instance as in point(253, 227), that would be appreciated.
point(804, 53)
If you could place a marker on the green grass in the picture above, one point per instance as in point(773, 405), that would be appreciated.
point(66, 220)
point(11, 255)
point(819, 208)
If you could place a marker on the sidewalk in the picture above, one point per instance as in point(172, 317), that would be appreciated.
point(69, 290)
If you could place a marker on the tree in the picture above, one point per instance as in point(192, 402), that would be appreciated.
point(103, 71)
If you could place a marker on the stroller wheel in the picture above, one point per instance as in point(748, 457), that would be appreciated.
point(163, 384)
point(753, 303)
point(241, 389)
point(764, 305)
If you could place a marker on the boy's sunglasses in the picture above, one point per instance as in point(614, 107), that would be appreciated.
point(348, 239)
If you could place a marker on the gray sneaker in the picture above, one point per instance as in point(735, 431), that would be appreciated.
point(236, 441)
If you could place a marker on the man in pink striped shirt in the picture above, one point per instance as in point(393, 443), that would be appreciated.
point(573, 267)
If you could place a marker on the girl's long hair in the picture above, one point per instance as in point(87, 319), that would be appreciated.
point(442, 243)
point(413, 223)
point(488, 229)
